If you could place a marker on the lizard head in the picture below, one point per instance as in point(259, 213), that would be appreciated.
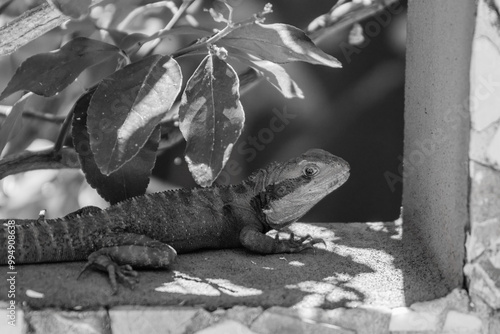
point(288, 190)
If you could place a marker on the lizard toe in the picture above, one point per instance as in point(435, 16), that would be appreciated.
point(302, 243)
point(116, 273)
point(315, 241)
point(125, 275)
point(126, 269)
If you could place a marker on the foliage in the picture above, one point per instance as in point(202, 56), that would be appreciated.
point(119, 123)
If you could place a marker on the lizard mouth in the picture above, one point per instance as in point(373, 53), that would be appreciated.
point(340, 180)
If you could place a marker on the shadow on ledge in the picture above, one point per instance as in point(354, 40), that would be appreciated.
point(362, 263)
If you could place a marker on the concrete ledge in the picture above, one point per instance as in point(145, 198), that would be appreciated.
point(362, 264)
point(361, 282)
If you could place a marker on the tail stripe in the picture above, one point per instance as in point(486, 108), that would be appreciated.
point(67, 237)
point(20, 243)
point(48, 228)
point(149, 202)
point(107, 224)
point(34, 231)
point(81, 234)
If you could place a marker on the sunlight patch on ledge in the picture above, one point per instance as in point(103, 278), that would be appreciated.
point(185, 284)
point(296, 263)
point(395, 230)
point(303, 229)
point(313, 230)
point(185, 287)
point(232, 289)
point(320, 293)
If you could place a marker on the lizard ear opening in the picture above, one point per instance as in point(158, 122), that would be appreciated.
point(281, 191)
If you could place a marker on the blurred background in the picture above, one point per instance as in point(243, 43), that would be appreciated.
point(355, 112)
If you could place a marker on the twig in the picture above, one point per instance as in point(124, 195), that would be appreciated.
point(221, 34)
point(63, 132)
point(177, 15)
point(4, 110)
point(141, 10)
point(47, 159)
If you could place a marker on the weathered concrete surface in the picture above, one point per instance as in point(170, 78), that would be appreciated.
point(437, 123)
point(363, 263)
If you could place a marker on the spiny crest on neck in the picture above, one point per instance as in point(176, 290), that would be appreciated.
point(265, 176)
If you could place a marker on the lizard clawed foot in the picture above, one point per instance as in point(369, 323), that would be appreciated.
point(124, 274)
point(292, 245)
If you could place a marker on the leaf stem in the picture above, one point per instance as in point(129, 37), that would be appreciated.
point(222, 33)
point(63, 132)
point(177, 15)
point(141, 10)
point(46, 159)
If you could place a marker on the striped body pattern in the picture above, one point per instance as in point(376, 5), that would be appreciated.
point(149, 230)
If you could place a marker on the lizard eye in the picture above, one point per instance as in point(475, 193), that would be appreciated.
point(311, 170)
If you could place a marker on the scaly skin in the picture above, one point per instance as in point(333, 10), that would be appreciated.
point(149, 230)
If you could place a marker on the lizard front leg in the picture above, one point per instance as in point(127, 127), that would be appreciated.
point(119, 252)
point(253, 239)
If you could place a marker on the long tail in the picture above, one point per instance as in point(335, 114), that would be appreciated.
point(41, 240)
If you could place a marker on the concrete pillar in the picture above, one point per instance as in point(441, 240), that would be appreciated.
point(437, 123)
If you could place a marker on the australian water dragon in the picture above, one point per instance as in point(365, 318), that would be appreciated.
point(148, 231)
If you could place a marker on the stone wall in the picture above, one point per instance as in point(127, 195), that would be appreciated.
point(448, 315)
point(483, 244)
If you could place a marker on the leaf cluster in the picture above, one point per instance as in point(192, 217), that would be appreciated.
point(119, 124)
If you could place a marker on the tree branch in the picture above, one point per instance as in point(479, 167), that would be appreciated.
point(29, 26)
point(47, 159)
point(4, 111)
point(176, 16)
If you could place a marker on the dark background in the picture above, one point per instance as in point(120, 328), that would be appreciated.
point(355, 112)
